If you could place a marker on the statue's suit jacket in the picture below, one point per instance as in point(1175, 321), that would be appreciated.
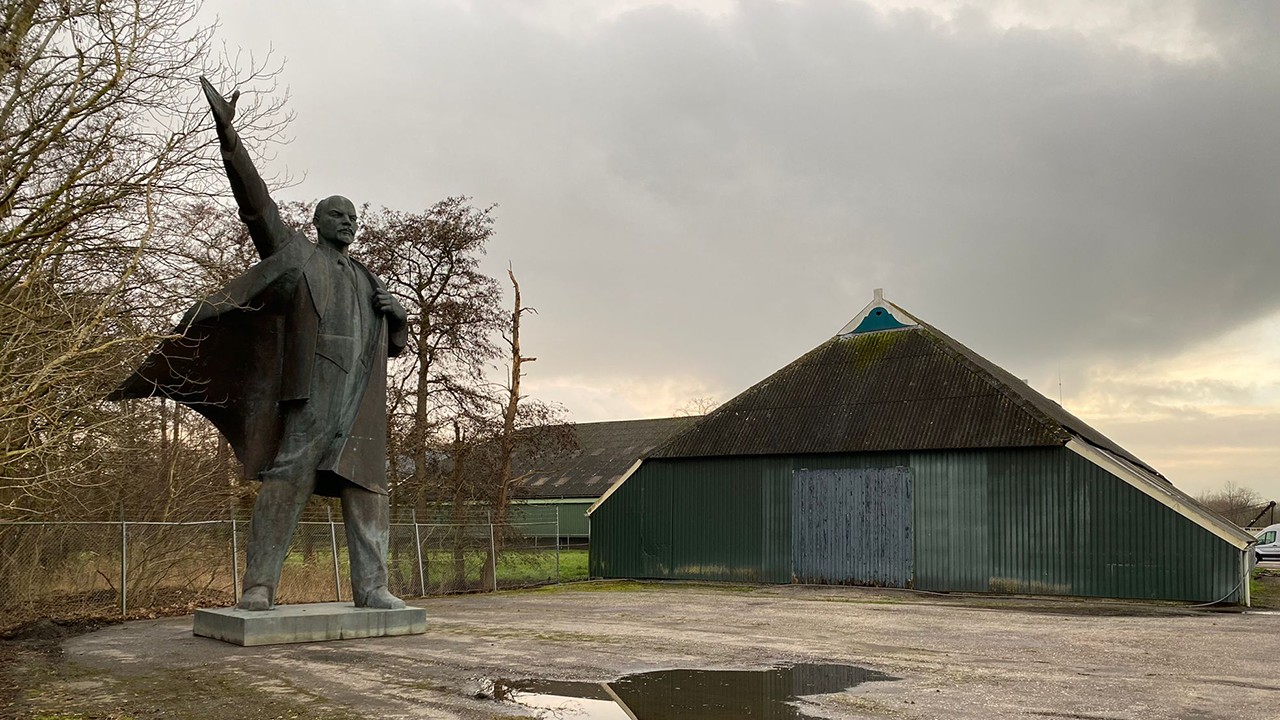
point(244, 351)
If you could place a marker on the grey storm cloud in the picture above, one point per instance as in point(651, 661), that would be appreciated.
point(713, 195)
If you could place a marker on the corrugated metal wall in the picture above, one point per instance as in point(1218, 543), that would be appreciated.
point(1039, 520)
point(573, 518)
point(852, 526)
point(727, 519)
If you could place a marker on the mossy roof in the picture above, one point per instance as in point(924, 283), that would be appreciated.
point(904, 389)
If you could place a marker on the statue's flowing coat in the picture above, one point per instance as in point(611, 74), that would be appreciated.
point(246, 349)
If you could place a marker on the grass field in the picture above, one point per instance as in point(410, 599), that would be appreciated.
point(515, 567)
point(305, 576)
point(1264, 588)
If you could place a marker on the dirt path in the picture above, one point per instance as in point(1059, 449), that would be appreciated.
point(957, 658)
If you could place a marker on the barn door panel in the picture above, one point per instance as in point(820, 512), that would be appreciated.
point(852, 526)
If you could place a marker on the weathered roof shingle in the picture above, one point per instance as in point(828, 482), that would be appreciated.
point(913, 388)
point(605, 450)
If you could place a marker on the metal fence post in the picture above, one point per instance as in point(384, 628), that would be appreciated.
point(235, 557)
point(417, 543)
point(124, 564)
point(333, 544)
point(493, 555)
point(557, 543)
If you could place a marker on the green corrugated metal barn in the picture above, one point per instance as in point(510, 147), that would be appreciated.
point(555, 489)
point(893, 455)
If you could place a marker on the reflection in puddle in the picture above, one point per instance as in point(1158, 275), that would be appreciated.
point(685, 694)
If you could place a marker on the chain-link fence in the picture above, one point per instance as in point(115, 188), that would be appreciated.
point(70, 570)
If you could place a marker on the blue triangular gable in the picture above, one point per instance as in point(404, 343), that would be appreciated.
point(878, 319)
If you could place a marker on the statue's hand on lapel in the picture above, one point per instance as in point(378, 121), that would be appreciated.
point(385, 303)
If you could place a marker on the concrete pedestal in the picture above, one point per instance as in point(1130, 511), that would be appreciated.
point(311, 622)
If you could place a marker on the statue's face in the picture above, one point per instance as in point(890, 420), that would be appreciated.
point(336, 221)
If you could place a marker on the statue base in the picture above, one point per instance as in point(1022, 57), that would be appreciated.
point(310, 622)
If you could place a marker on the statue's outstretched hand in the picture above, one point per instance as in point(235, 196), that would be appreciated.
point(223, 110)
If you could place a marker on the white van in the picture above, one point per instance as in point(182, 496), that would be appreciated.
point(1268, 547)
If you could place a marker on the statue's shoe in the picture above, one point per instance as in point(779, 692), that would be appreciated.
point(257, 597)
point(379, 598)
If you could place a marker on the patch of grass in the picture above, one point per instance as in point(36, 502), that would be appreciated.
point(185, 694)
point(640, 586)
point(857, 601)
point(595, 586)
point(523, 566)
point(573, 565)
point(547, 635)
point(726, 587)
point(1264, 589)
point(515, 567)
point(576, 637)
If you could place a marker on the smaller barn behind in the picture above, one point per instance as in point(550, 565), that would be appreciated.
point(565, 484)
point(892, 455)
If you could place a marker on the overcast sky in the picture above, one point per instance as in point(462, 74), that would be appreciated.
point(695, 193)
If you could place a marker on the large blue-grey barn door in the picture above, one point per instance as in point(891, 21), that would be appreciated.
point(852, 526)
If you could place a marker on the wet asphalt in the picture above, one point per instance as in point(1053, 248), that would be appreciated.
point(953, 657)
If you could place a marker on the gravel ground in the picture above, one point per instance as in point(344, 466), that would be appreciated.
point(957, 657)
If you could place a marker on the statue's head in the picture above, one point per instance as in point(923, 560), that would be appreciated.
point(335, 221)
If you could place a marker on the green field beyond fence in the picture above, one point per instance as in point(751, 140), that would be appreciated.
point(515, 567)
point(71, 570)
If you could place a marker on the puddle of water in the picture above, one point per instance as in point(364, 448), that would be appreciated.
point(686, 694)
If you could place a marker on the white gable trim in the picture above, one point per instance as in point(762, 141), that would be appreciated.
point(1161, 491)
point(617, 484)
point(898, 313)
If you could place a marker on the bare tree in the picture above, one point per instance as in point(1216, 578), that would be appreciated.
point(696, 407)
point(507, 436)
point(101, 154)
point(1237, 503)
point(507, 440)
point(431, 261)
point(527, 427)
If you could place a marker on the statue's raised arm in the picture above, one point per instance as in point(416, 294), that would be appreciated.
point(257, 209)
